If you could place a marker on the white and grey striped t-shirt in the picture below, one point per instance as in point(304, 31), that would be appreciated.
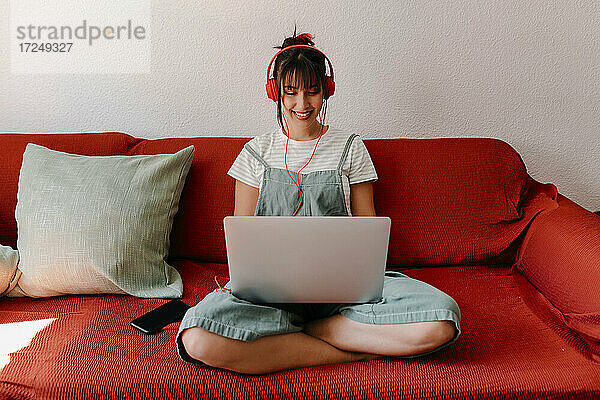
point(270, 146)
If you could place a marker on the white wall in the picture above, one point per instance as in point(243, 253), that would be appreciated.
point(525, 72)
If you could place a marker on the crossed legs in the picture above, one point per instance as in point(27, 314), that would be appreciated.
point(332, 340)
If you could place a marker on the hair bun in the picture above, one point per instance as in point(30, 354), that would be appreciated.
point(303, 38)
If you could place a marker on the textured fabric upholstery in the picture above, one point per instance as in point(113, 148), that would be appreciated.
point(455, 204)
point(506, 351)
point(560, 255)
point(451, 200)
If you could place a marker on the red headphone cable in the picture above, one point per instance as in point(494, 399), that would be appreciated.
point(285, 161)
point(221, 288)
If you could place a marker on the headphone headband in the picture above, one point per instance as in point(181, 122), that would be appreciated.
point(272, 87)
point(299, 45)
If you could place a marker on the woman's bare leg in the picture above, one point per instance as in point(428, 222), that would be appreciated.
point(389, 340)
point(266, 354)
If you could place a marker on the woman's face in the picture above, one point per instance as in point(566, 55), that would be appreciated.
point(301, 106)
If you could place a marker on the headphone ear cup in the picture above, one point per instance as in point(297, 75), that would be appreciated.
point(271, 87)
point(329, 87)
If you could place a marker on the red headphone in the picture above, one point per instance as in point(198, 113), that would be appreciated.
point(272, 86)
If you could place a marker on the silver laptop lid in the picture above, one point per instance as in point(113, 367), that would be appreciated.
point(307, 259)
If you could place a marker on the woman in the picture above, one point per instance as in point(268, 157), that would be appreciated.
point(413, 318)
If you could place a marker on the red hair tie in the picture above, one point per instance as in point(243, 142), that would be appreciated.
point(307, 37)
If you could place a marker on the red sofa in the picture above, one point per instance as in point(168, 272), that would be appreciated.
point(521, 260)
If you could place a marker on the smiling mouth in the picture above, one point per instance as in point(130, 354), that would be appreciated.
point(303, 115)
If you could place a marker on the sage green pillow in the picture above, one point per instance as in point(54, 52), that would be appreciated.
point(98, 224)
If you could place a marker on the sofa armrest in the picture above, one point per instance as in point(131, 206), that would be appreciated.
point(560, 256)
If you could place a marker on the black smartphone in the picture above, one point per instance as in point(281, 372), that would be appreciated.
point(153, 321)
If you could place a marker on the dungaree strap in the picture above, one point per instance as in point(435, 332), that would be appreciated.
point(255, 155)
point(345, 153)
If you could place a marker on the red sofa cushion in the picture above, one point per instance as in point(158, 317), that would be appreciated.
point(505, 350)
point(451, 201)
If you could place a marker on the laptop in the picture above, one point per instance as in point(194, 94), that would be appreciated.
point(307, 259)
